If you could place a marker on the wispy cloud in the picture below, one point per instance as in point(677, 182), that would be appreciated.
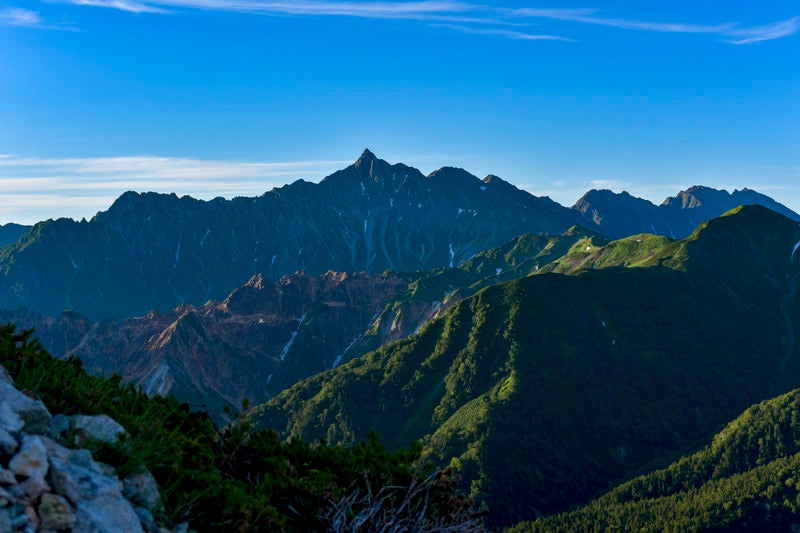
point(26, 18)
point(33, 189)
point(765, 33)
point(609, 184)
point(15, 16)
point(446, 11)
point(511, 34)
point(300, 7)
point(122, 5)
point(735, 33)
point(459, 12)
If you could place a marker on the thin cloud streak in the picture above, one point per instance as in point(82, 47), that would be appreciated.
point(457, 12)
point(351, 9)
point(15, 16)
point(765, 33)
point(511, 34)
point(34, 189)
point(746, 35)
point(121, 5)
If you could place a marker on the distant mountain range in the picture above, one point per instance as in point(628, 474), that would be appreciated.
point(155, 251)
point(548, 353)
point(265, 337)
point(620, 215)
point(10, 233)
point(548, 390)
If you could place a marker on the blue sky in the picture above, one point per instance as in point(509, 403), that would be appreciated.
point(234, 97)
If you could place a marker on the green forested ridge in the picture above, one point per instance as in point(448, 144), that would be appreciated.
point(430, 291)
point(551, 389)
point(745, 479)
point(237, 479)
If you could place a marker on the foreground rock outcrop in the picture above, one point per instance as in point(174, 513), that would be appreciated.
point(46, 484)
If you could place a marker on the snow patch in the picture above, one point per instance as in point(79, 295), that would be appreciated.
point(498, 271)
point(403, 183)
point(157, 382)
point(288, 346)
point(177, 253)
point(452, 255)
point(419, 206)
point(203, 240)
point(363, 189)
point(75, 265)
point(604, 323)
point(588, 248)
point(269, 378)
point(483, 187)
point(794, 250)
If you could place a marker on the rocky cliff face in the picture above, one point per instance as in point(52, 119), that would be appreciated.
point(262, 338)
point(619, 215)
point(156, 251)
point(48, 485)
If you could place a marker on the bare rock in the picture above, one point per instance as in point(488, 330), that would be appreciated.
point(34, 486)
point(106, 514)
point(142, 489)
point(8, 444)
point(6, 377)
point(5, 498)
point(31, 460)
point(9, 418)
point(55, 512)
point(33, 414)
point(79, 483)
point(98, 427)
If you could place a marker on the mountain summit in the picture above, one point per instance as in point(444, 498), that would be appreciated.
point(620, 214)
point(158, 250)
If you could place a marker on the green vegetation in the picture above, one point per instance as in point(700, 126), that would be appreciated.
point(745, 480)
point(549, 390)
point(237, 479)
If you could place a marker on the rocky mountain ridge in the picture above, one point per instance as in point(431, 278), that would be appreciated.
point(619, 215)
point(153, 251)
point(262, 338)
point(266, 336)
point(157, 251)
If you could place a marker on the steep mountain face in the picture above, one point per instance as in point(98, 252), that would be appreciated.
point(154, 251)
point(259, 340)
point(620, 215)
point(10, 233)
point(550, 389)
point(314, 324)
point(431, 293)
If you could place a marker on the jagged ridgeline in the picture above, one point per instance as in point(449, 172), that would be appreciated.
point(266, 336)
point(620, 215)
point(549, 390)
point(156, 251)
